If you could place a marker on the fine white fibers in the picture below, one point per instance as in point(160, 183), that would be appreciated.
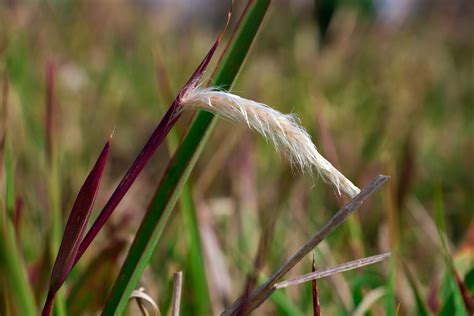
point(282, 130)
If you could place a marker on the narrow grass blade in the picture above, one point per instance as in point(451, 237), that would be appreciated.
point(440, 223)
point(421, 308)
point(53, 175)
point(196, 264)
point(52, 159)
point(356, 264)
point(390, 294)
point(314, 292)
point(257, 297)
point(17, 219)
point(181, 165)
point(392, 216)
point(12, 268)
point(50, 122)
point(177, 286)
point(75, 227)
point(11, 262)
point(369, 299)
point(460, 307)
point(145, 303)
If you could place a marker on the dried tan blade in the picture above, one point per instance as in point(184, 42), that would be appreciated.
point(337, 269)
point(141, 297)
point(177, 286)
point(260, 295)
point(369, 300)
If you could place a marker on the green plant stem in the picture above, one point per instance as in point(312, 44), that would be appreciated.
point(196, 265)
point(11, 261)
point(13, 269)
point(196, 258)
point(180, 166)
point(451, 274)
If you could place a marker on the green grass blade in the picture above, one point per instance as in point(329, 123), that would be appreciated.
point(421, 307)
point(451, 274)
point(180, 167)
point(11, 262)
point(196, 281)
point(196, 264)
point(13, 268)
point(392, 214)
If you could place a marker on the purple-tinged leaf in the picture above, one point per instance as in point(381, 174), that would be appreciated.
point(75, 227)
point(50, 122)
point(18, 217)
point(314, 288)
point(432, 299)
point(155, 140)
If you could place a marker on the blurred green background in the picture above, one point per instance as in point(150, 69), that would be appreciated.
point(381, 86)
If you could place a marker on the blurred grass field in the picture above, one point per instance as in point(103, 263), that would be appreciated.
point(377, 98)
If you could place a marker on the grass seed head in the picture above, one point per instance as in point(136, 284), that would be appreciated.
point(283, 130)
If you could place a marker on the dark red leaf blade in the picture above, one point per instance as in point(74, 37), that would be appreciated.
point(314, 288)
point(155, 140)
point(50, 121)
point(75, 227)
point(18, 216)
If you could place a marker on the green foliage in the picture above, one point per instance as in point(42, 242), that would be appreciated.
point(12, 267)
point(451, 294)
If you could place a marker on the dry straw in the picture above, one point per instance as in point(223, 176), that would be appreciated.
point(283, 130)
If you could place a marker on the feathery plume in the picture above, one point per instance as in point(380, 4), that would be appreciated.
point(283, 130)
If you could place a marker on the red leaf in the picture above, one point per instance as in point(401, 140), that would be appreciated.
point(314, 287)
point(75, 227)
point(155, 140)
point(50, 121)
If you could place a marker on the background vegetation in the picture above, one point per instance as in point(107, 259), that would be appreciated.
point(377, 95)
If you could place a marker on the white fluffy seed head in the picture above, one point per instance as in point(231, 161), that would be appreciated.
point(283, 130)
